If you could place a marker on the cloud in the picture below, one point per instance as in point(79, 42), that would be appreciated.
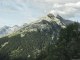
point(22, 10)
point(55, 1)
point(67, 10)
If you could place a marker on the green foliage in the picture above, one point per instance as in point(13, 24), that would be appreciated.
point(30, 44)
point(70, 40)
point(37, 45)
point(68, 45)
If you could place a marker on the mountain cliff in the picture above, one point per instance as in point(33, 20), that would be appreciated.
point(30, 40)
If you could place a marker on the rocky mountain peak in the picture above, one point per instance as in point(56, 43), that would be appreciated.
point(50, 15)
point(53, 13)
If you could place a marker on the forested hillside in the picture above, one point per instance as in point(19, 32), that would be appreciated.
point(48, 39)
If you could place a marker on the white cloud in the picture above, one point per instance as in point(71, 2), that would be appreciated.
point(24, 9)
point(67, 10)
point(55, 1)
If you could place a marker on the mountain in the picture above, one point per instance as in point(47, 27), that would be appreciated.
point(29, 41)
point(45, 22)
point(5, 30)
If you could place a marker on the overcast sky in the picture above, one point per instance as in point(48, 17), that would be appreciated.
point(17, 12)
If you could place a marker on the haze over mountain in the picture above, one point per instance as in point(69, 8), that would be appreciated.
point(5, 30)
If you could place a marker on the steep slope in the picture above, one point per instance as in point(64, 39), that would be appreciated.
point(66, 22)
point(29, 41)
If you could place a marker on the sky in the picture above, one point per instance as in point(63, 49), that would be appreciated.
point(17, 12)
